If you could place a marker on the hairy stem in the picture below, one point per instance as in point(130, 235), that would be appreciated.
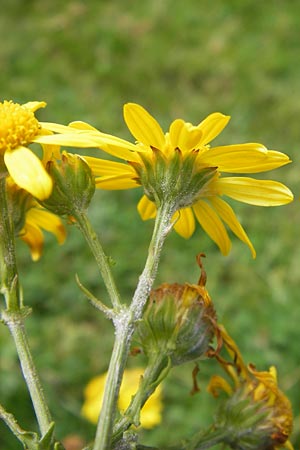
point(14, 314)
point(125, 326)
point(148, 383)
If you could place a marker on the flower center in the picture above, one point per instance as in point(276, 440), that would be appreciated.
point(18, 126)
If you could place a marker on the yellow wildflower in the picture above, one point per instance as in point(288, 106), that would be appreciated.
point(264, 412)
point(93, 394)
point(181, 164)
point(18, 129)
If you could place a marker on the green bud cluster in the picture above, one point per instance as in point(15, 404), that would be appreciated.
point(250, 425)
point(74, 185)
point(177, 180)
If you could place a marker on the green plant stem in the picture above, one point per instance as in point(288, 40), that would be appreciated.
point(15, 323)
point(125, 325)
point(8, 272)
point(14, 314)
point(162, 227)
point(150, 380)
point(100, 257)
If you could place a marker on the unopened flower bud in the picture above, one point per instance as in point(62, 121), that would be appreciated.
point(74, 185)
point(179, 321)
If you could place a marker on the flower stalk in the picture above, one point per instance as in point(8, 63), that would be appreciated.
point(9, 276)
point(163, 225)
point(124, 323)
point(157, 369)
point(14, 314)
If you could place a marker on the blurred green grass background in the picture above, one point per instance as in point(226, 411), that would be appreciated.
point(178, 59)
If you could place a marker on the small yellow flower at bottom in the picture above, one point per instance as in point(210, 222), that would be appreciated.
point(93, 394)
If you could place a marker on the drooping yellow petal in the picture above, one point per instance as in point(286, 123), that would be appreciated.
point(235, 354)
point(143, 126)
point(146, 208)
point(116, 182)
point(212, 125)
point(184, 136)
point(254, 192)
point(217, 383)
point(48, 221)
point(212, 225)
point(33, 237)
point(184, 222)
point(228, 216)
point(28, 172)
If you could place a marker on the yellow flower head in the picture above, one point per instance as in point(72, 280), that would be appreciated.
point(30, 218)
point(181, 165)
point(266, 413)
point(93, 394)
point(18, 129)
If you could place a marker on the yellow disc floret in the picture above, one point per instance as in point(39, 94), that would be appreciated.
point(18, 126)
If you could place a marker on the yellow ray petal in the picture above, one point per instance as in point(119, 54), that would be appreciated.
point(243, 158)
point(28, 172)
point(71, 139)
point(105, 167)
point(228, 216)
point(111, 144)
point(212, 125)
point(79, 125)
point(254, 192)
point(143, 126)
point(146, 208)
point(212, 225)
point(183, 136)
point(185, 222)
point(116, 182)
point(116, 146)
point(33, 237)
point(57, 128)
point(48, 221)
